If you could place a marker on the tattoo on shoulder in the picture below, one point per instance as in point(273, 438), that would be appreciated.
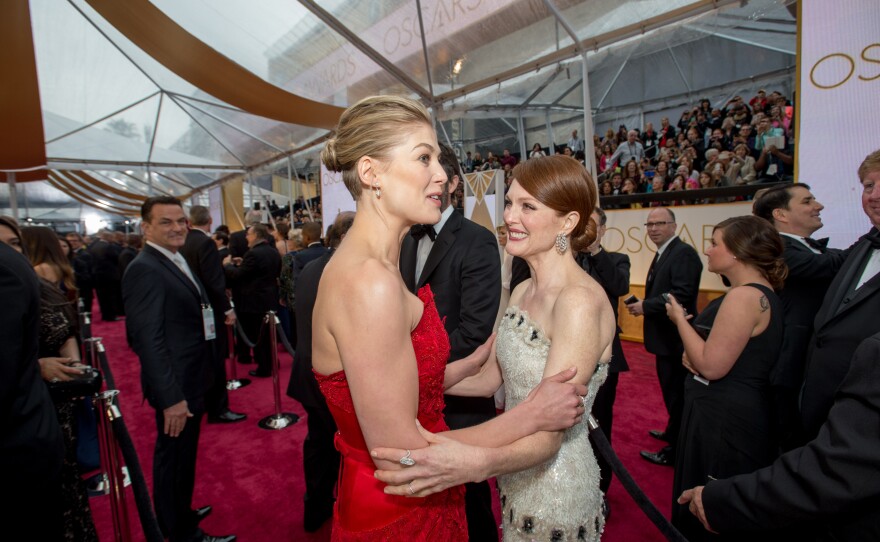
point(765, 303)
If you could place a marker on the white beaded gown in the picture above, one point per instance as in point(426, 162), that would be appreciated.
point(558, 500)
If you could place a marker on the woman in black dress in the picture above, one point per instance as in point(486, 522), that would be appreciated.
point(59, 358)
point(727, 425)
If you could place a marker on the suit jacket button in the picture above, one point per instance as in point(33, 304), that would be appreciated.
point(846, 300)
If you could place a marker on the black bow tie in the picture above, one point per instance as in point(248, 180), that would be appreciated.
point(420, 230)
point(873, 237)
point(818, 244)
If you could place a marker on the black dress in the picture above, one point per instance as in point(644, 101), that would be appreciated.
point(55, 328)
point(727, 425)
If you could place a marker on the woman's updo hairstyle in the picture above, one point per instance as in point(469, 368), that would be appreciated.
point(755, 242)
point(371, 127)
point(564, 185)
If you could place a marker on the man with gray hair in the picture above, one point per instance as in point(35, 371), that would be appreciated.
point(203, 258)
point(631, 150)
point(238, 243)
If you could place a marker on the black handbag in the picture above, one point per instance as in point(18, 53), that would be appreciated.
point(84, 385)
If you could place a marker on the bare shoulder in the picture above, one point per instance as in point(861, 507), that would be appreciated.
point(747, 297)
point(362, 282)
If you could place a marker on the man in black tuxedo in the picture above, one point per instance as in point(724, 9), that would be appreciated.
point(238, 243)
point(311, 239)
point(611, 271)
point(172, 332)
point(828, 490)
point(795, 213)
point(83, 264)
point(203, 259)
point(254, 283)
point(106, 275)
point(31, 446)
point(849, 312)
point(459, 260)
point(320, 457)
point(676, 269)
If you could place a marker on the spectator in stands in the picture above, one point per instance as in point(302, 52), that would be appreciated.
point(617, 182)
point(766, 130)
point(478, 162)
point(507, 159)
point(662, 170)
point(606, 189)
point(632, 171)
point(492, 162)
point(759, 100)
point(605, 163)
point(576, 144)
point(650, 140)
point(468, 163)
point(610, 138)
point(742, 165)
point(775, 164)
point(631, 149)
point(622, 134)
point(667, 132)
point(657, 185)
point(536, 151)
point(685, 121)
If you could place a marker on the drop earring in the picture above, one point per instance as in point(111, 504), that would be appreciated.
point(376, 190)
point(561, 243)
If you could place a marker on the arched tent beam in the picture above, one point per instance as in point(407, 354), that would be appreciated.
point(81, 196)
point(22, 142)
point(160, 37)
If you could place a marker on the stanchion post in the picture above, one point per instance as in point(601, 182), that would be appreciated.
point(279, 420)
point(234, 382)
point(109, 452)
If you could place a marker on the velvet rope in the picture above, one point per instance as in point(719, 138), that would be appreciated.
point(659, 520)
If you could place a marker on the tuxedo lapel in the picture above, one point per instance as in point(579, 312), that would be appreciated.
point(840, 288)
point(174, 270)
point(445, 240)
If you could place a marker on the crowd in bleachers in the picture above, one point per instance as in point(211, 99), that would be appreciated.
point(742, 142)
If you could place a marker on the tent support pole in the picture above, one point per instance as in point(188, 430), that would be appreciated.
point(521, 136)
point(551, 143)
point(13, 194)
point(589, 150)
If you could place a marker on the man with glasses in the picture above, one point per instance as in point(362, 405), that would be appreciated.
point(676, 269)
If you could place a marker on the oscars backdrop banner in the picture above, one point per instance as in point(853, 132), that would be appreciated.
point(838, 107)
point(694, 223)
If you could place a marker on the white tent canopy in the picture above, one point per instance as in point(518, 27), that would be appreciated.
point(494, 72)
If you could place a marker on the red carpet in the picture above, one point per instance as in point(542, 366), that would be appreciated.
point(253, 477)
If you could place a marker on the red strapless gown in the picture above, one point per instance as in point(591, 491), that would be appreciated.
point(363, 511)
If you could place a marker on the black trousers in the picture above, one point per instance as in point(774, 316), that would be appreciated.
point(671, 374)
point(252, 324)
point(109, 299)
point(464, 412)
point(320, 464)
point(174, 477)
point(217, 397)
point(603, 411)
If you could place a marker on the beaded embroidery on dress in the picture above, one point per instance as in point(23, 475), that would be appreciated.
point(558, 500)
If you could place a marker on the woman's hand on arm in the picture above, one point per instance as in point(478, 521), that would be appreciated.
point(476, 375)
point(554, 405)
